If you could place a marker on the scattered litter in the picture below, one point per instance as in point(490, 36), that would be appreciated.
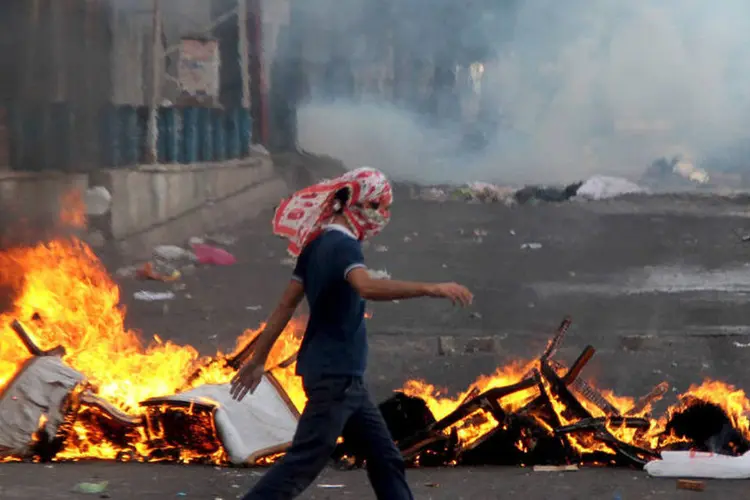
point(512, 232)
point(195, 240)
point(182, 494)
point(254, 308)
point(172, 253)
point(158, 271)
point(379, 274)
point(330, 486)
point(740, 344)
point(487, 193)
point(210, 255)
point(407, 239)
point(432, 485)
point(433, 194)
point(531, 246)
point(480, 232)
point(701, 465)
point(551, 194)
point(381, 248)
point(289, 262)
point(226, 240)
point(601, 187)
point(475, 315)
point(555, 468)
point(91, 488)
point(153, 296)
point(446, 346)
point(445, 266)
point(686, 484)
point(98, 200)
point(126, 272)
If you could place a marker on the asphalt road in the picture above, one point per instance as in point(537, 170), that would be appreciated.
point(658, 285)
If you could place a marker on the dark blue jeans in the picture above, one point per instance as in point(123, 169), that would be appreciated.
point(335, 403)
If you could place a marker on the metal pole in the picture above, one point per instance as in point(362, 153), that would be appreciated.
point(153, 130)
point(244, 51)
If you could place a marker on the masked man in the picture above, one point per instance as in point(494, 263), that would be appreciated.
point(325, 225)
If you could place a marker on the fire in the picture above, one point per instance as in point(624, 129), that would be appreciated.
point(64, 295)
point(471, 429)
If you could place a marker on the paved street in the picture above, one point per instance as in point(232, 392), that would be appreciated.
point(658, 285)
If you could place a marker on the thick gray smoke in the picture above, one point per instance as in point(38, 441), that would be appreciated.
point(582, 87)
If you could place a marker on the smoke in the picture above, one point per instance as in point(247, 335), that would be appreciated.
point(577, 87)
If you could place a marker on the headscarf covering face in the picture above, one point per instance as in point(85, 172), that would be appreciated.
point(301, 217)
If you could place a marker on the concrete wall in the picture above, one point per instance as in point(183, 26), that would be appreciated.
point(150, 206)
point(149, 196)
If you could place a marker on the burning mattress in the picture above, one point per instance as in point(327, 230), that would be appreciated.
point(260, 425)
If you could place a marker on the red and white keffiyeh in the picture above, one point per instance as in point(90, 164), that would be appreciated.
point(301, 217)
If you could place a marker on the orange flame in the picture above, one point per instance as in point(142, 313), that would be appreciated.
point(64, 295)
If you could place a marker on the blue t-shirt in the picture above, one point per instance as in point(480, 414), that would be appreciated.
point(335, 341)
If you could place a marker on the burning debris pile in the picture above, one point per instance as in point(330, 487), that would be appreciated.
point(551, 416)
point(76, 384)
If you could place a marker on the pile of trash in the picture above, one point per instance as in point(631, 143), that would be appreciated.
point(595, 188)
point(168, 263)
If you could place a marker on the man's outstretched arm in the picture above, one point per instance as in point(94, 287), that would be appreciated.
point(384, 290)
point(249, 375)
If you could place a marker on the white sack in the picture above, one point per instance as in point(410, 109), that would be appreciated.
point(601, 187)
point(688, 464)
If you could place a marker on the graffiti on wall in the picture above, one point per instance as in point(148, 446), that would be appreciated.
point(198, 70)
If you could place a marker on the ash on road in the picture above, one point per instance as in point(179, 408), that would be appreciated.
point(658, 285)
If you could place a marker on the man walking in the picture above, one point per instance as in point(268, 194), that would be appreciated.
point(325, 224)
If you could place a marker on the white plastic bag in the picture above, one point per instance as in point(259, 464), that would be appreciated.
point(601, 187)
point(691, 464)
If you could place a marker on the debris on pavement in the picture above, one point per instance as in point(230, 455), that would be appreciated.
point(254, 308)
point(289, 262)
point(602, 187)
point(547, 194)
point(211, 255)
point(381, 248)
point(481, 344)
point(700, 465)
point(226, 240)
point(433, 194)
point(153, 296)
point(127, 271)
point(446, 346)
point(331, 486)
point(555, 468)
point(487, 193)
point(158, 271)
point(91, 488)
point(172, 253)
point(531, 246)
point(741, 345)
point(686, 484)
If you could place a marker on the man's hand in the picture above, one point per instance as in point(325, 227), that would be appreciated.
point(458, 294)
point(247, 379)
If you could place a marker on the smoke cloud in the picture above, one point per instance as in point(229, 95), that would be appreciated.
point(579, 87)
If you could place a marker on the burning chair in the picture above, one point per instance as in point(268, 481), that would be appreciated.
point(562, 420)
point(45, 404)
